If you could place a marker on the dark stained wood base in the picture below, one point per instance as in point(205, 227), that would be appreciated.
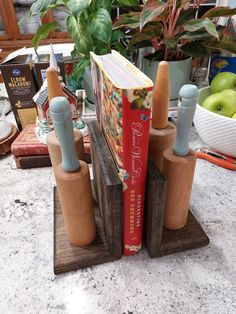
point(68, 257)
point(191, 236)
point(158, 240)
point(5, 145)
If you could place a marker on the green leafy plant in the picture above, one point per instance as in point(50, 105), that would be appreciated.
point(88, 23)
point(172, 28)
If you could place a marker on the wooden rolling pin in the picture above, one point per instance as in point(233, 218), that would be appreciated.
point(54, 85)
point(162, 132)
point(54, 90)
point(179, 162)
point(73, 179)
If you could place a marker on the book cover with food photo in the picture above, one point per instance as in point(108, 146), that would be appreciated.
point(123, 98)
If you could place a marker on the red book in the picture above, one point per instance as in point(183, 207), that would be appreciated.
point(27, 144)
point(123, 96)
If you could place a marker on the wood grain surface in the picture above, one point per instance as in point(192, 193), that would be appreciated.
point(108, 188)
point(154, 208)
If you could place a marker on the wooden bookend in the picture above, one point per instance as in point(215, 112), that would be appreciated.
point(154, 208)
point(108, 188)
point(108, 214)
point(159, 240)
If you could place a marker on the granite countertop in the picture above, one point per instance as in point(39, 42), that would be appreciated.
point(196, 281)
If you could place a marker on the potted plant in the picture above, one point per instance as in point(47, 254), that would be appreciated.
point(175, 34)
point(90, 26)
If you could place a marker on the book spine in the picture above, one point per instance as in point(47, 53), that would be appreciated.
point(26, 162)
point(29, 150)
point(136, 123)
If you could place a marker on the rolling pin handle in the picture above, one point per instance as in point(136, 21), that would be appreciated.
point(61, 116)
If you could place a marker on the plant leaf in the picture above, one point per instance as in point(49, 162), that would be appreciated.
point(198, 35)
point(219, 11)
point(194, 25)
point(78, 6)
point(128, 3)
point(224, 44)
point(103, 4)
point(130, 20)
point(117, 35)
point(40, 7)
point(80, 67)
point(73, 53)
point(137, 38)
point(42, 33)
point(100, 25)
point(120, 48)
point(100, 49)
point(151, 10)
point(186, 15)
point(195, 49)
point(171, 42)
point(78, 31)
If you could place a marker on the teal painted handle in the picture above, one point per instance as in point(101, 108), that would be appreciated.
point(61, 116)
point(188, 96)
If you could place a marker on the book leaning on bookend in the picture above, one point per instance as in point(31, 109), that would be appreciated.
point(123, 97)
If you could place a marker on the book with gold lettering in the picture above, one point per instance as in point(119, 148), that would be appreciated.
point(123, 96)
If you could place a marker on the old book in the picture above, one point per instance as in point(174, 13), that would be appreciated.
point(25, 162)
point(27, 144)
point(123, 96)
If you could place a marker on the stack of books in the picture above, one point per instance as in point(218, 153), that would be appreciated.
point(28, 151)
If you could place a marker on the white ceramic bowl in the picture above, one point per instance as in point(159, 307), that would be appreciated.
point(217, 131)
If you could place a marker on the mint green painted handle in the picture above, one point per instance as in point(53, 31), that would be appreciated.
point(188, 96)
point(61, 116)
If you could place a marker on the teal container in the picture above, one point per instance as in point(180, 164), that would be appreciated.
point(221, 63)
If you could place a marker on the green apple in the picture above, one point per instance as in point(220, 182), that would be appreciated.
point(222, 81)
point(230, 92)
point(234, 116)
point(220, 104)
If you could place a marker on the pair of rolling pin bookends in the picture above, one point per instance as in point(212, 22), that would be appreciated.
point(169, 226)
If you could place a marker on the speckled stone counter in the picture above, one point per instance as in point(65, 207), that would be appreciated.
point(197, 281)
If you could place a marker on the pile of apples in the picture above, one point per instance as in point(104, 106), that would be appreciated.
point(223, 98)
